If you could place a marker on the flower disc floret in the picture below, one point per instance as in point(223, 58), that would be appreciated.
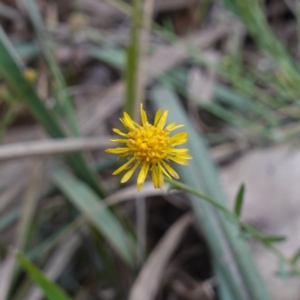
point(150, 147)
point(149, 144)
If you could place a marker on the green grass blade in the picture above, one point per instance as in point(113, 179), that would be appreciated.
point(282, 271)
point(223, 290)
point(13, 74)
point(113, 56)
point(59, 86)
point(206, 217)
point(102, 218)
point(28, 50)
point(133, 61)
point(26, 222)
point(274, 238)
point(8, 219)
point(222, 236)
point(51, 290)
point(239, 200)
point(295, 257)
point(223, 95)
point(255, 20)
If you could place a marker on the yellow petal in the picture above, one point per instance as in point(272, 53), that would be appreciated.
point(180, 150)
point(128, 174)
point(170, 126)
point(122, 121)
point(161, 178)
point(184, 156)
point(180, 161)
point(116, 130)
point(117, 150)
point(176, 127)
point(180, 153)
point(143, 116)
point(161, 123)
point(142, 175)
point(157, 117)
point(125, 166)
point(164, 171)
point(155, 177)
point(128, 121)
point(119, 141)
point(178, 139)
point(172, 172)
point(179, 136)
point(179, 142)
point(173, 126)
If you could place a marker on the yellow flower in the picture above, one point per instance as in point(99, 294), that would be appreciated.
point(30, 75)
point(151, 148)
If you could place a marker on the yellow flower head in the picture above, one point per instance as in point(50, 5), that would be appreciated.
point(151, 148)
point(30, 75)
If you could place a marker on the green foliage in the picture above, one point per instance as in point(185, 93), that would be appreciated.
point(51, 290)
point(239, 200)
point(10, 69)
point(87, 202)
point(63, 100)
point(254, 18)
point(133, 60)
point(237, 276)
point(222, 236)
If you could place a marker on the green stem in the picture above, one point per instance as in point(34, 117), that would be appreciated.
point(132, 60)
point(246, 227)
point(63, 100)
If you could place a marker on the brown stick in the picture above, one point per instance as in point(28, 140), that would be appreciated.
point(52, 147)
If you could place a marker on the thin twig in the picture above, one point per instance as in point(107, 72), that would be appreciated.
point(52, 147)
point(260, 237)
point(147, 283)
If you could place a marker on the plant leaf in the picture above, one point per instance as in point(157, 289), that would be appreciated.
point(63, 100)
point(100, 216)
point(11, 69)
point(274, 238)
point(51, 290)
point(133, 61)
point(239, 200)
point(282, 271)
point(221, 235)
point(295, 257)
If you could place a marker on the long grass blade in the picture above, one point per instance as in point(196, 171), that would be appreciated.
point(133, 61)
point(239, 201)
point(252, 15)
point(63, 100)
point(26, 223)
point(88, 203)
point(13, 74)
point(223, 237)
point(51, 290)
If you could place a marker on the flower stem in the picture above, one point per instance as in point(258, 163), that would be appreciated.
point(133, 60)
point(232, 216)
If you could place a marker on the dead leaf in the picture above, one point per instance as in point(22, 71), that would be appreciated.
point(147, 283)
